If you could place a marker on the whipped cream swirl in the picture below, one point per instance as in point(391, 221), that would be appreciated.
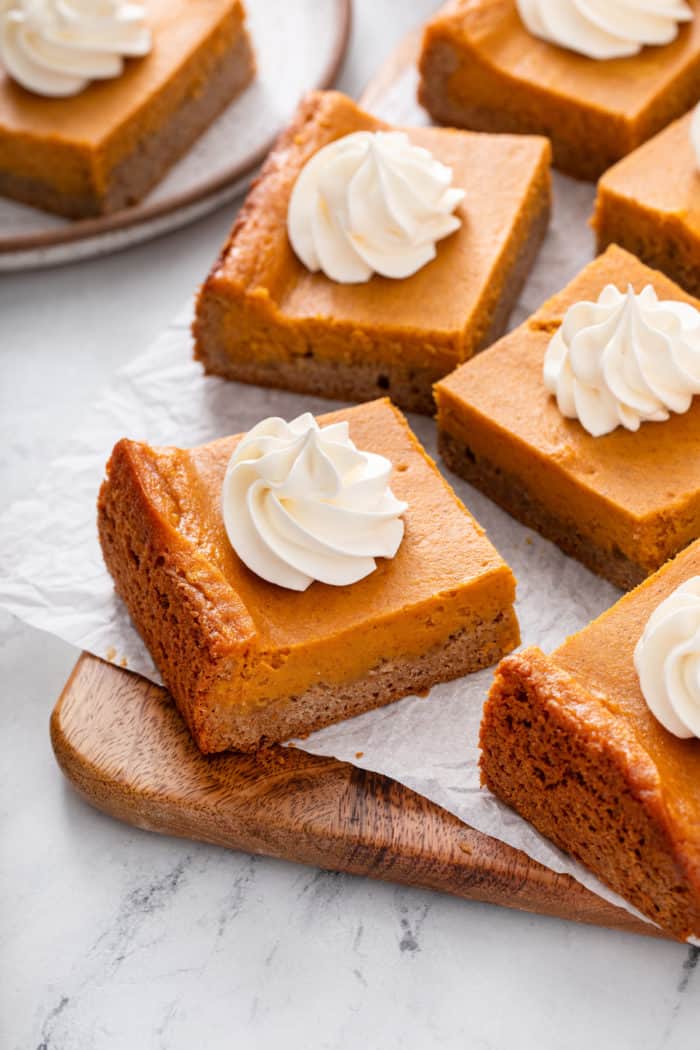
point(624, 360)
point(667, 660)
point(604, 28)
point(371, 202)
point(695, 133)
point(302, 503)
point(56, 47)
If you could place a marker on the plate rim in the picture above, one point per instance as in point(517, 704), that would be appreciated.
point(85, 229)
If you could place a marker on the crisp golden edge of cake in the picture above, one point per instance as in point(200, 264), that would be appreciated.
point(204, 641)
point(553, 751)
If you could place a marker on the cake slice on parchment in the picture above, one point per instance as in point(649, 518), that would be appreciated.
point(575, 744)
point(251, 661)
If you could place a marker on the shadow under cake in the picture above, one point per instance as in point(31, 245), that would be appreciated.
point(649, 203)
point(104, 149)
point(623, 503)
point(480, 68)
point(263, 318)
point(569, 742)
point(250, 663)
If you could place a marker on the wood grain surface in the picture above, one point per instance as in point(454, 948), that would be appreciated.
point(122, 744)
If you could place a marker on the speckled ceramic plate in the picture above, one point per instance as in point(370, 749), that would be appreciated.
point(220, 163)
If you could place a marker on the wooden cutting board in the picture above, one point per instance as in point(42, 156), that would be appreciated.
point(121, 743)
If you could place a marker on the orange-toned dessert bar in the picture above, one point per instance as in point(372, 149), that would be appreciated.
point(649, 203)
point(102, 150)
point(251, 663)
point(569, 742)
point(263, 318)
point(480, 68)
point(623, 503)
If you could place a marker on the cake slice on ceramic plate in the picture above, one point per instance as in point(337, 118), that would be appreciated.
point(598, 744)
point(597, 79)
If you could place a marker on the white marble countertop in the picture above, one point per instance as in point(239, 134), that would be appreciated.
point(119, 939)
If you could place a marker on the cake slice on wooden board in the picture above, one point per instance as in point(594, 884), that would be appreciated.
point(251, 662)
point(571, 743)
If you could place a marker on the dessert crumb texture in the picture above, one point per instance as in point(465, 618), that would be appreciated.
point(250, 663)
point(553, 753)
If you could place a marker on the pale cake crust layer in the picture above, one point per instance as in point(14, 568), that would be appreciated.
point(569, 742)
point(248, 662)
point(263, 318)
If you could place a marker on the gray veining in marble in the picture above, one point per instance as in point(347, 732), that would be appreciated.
point(116, 939)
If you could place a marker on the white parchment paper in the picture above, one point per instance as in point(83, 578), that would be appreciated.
point(52, 575)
